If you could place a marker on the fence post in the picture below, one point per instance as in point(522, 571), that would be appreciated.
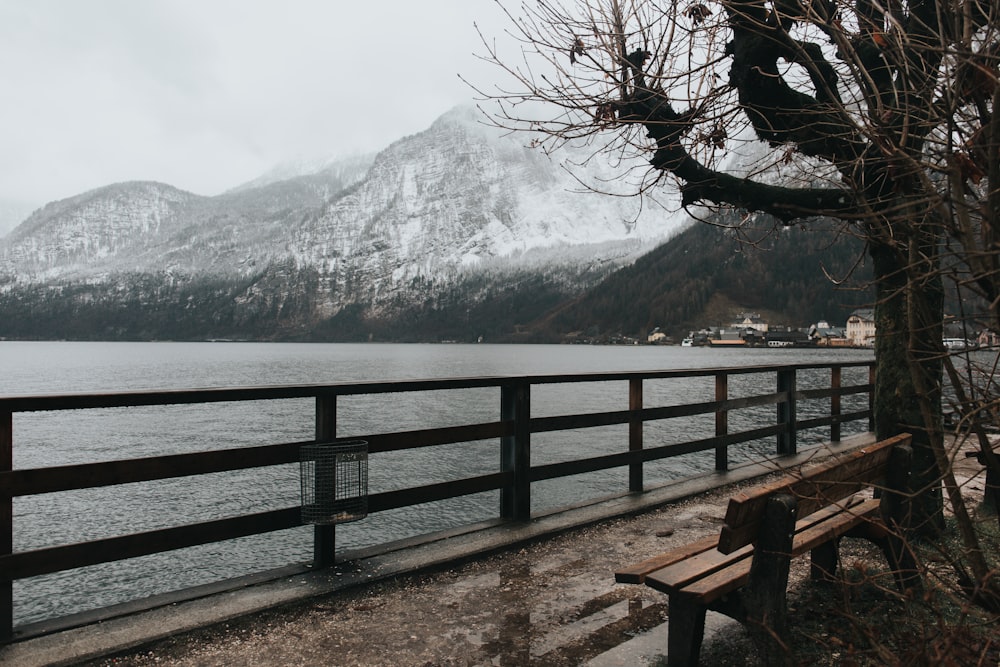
point(721, 421)
point(6, 526)
point(325, 536)
point(786, 412)
point(835, 404)
point(635, 433)
point(515, 451)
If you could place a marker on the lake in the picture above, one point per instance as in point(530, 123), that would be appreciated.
point(45, 439)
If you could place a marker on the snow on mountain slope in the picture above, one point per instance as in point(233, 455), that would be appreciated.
point(457, 198)
point(460, 194)
point(343, 171)
point(104, 223)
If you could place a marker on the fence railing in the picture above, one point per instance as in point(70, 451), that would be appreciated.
point(513, 428)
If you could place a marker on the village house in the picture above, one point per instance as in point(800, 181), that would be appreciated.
point(861, 328)
point(828, 336)
point(987, 338)
point(656, 336)
point(746, 321)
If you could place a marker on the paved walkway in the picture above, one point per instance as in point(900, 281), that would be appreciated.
point(552, 602)
point(499, 595)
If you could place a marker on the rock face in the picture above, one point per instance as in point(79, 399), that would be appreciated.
point(459, 210)
point(73, 236)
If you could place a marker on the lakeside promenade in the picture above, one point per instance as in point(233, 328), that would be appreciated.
point(539, 592)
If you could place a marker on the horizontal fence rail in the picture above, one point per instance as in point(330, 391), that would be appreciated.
point(512, 428)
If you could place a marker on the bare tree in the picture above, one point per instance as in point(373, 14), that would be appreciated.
point(878, 113)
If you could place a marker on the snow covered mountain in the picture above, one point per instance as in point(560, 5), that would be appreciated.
point(73, 235)
point(457, 204)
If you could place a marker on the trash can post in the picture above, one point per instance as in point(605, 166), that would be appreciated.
point(334, 481)
point(325, 536)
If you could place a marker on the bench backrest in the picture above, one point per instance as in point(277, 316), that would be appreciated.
point(814, 489)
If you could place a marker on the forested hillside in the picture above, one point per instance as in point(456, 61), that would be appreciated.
point(706, 274)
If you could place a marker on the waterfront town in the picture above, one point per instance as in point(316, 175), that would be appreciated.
point(750, 330)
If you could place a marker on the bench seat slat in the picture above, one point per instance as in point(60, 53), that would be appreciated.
point(812, 537)
point(715, 585)
point(635, 574)
point(679, 575)
point(728, 572)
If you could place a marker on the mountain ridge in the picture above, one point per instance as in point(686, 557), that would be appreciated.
point(459, 206)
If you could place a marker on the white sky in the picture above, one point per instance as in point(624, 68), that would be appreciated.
point(207, 94)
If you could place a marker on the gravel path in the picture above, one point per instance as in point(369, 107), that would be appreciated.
point(554, 602)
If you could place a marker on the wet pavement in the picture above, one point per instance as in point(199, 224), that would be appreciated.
point(549, 603)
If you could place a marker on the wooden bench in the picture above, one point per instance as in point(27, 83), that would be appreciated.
point(743, 572)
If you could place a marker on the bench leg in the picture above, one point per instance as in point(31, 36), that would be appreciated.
point(685, 630)
point(897, 513)
point(764, 594)
point(823, 561)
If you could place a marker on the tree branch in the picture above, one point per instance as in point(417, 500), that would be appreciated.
point(779, 113)
point(701, 184)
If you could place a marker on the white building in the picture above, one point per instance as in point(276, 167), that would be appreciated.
point(861, 328)
point(749, 321)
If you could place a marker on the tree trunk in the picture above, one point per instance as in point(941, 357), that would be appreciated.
point(895, 404)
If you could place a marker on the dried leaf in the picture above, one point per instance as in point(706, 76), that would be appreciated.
point(604, 113)
point(698, 13)
point(968, 168)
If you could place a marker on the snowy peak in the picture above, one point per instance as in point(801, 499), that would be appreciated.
point(98, 224)
point(492, 195)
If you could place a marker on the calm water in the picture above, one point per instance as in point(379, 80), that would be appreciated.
point(44, 439)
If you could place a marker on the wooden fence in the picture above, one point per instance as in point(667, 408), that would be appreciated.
point(512, 428)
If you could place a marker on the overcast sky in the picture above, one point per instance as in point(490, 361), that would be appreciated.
point(207, 94)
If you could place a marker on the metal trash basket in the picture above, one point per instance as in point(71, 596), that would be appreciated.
point(334, 482)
